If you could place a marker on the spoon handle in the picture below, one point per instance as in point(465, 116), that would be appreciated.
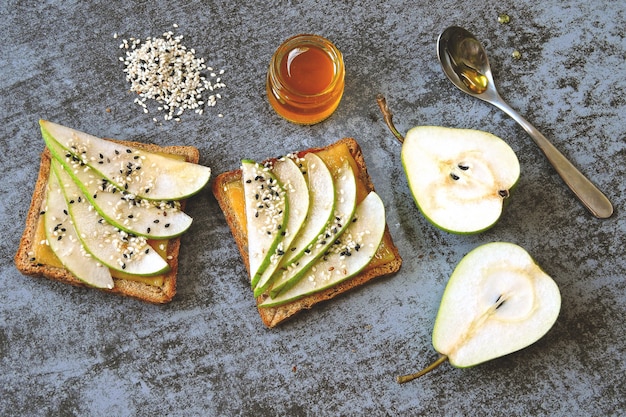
point(591, 197)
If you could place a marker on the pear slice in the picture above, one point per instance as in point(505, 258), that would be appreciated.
point(459, 178)
point(321, 189)
point(64, 243)
point(111, 246)
point(148, 218)
point(140, 173)
point(497, 301)
point(346, 258)
point(267, 212)
point(345, 205)
point(287, 173)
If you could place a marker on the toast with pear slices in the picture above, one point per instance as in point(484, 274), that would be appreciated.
point(35, 258)
point(228, 189)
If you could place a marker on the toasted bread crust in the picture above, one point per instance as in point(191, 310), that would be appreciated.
point(138, 290)
point(272, 316)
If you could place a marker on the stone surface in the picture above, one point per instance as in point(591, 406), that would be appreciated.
point(71, 351)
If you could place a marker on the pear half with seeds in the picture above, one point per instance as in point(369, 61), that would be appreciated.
point(459, 178)
point(497, 301)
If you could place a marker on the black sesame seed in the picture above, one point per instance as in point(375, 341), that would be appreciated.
point(454, 176)
point(129, 151)
point(148, 230)
point(167, 225)
point(156, 221)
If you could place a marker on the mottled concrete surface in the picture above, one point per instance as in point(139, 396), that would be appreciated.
point(69, 351)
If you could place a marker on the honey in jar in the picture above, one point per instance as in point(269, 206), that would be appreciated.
point(305, 80)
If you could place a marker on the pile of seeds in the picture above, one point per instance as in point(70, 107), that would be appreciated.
point(164, 70)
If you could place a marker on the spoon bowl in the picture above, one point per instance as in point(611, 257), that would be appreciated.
point(465, 62)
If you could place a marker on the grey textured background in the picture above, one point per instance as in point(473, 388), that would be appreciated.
point(70, 351)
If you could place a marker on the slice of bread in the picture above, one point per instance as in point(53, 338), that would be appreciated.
point(160, 289)
point(386, 261)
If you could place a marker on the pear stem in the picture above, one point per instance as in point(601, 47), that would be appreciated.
point(388, 116)
point(406, 378)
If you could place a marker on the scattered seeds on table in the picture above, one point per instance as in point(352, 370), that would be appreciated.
point(165, 70)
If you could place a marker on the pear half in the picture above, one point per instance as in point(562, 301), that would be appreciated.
point(459, 178)
point(497, 301)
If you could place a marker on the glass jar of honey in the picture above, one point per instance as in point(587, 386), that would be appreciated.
point(305, 80)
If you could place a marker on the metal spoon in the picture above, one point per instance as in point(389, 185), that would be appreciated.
point(465, 63)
